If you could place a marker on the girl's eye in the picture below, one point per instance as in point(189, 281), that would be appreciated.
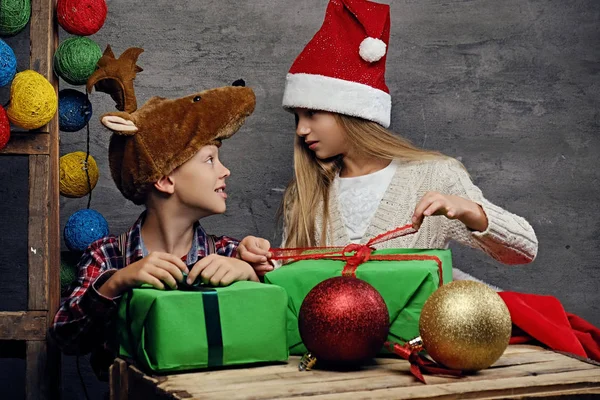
point(311, 113)
point(210, 160)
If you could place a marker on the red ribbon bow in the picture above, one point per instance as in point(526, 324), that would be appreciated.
point(356, 254)
point(418, 363)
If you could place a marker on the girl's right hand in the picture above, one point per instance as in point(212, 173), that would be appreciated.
point(156, 269)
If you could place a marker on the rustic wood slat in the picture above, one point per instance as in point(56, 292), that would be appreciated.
point(23, 325)
point(523, 371)
point(38, 232)
point(25, 143)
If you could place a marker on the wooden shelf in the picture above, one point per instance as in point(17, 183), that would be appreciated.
point(27, 143)
point(23, 325)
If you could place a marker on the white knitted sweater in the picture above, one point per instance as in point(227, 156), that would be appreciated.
point(509, 238)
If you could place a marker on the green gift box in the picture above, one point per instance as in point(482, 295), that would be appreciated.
point(404, 284)
point(175, 330)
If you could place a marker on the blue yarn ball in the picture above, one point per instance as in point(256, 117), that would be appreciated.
point(83, 228)
point(74, 110)
point(8, 63)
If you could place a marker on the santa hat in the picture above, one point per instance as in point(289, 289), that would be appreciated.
point(342, 69)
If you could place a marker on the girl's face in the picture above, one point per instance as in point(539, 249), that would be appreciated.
point(321, 133)
point(200, 182)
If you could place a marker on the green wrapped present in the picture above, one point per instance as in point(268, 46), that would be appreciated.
point(404, 277)
point(175, 330)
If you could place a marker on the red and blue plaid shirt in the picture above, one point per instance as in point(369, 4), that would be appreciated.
point(85, 319)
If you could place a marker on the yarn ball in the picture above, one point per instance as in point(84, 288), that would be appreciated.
point(73, 179)
point(8, 63)
point(74, 110)
point(81, 17)
point(14, 15)
point(83, 228)
point(4, 128)
point(33, 100)
point(68, 270)
point(76, 58)
point(343, 320)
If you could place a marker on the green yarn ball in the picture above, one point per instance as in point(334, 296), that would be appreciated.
point(68, 270)
point(75, 59)
point(14, 15)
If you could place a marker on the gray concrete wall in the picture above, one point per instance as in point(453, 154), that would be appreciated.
point(509, 87)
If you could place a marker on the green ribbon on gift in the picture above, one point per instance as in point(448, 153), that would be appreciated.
point(214, 334)
point(212, 319)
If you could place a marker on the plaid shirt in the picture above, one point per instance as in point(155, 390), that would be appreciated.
point(85, 320)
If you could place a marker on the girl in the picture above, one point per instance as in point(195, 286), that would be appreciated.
point(354, 179)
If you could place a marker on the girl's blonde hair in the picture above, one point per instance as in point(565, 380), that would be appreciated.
point(308, 192)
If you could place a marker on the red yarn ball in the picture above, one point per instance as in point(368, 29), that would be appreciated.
point(81, 17)
point(343, 319)
point(4, 128)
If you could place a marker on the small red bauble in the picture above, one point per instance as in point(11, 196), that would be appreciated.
point(4, 128)
point(343, 320)
point(81, 17)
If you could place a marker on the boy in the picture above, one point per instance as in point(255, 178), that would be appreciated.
point(165, 156)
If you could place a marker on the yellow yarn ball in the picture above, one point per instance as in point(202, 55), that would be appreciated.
point(33, 100)
point(73, 179)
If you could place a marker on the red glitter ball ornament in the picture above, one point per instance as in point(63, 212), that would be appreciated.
point(4, 128)
point(343, 320)
point(81, 17)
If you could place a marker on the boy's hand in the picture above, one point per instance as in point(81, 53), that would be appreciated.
point(255, 251)
point(157, 269)
point(219, 270)
point(453, 207)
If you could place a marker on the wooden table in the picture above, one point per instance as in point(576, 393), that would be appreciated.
point(522, 372)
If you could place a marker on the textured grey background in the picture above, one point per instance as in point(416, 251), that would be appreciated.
point(509, 87)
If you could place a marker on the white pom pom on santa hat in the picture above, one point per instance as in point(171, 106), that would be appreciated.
point(372, 49)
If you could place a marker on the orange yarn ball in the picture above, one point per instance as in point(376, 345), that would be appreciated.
point(81, 17)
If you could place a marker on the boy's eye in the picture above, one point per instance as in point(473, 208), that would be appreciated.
point(311, 113)
point(210, 160)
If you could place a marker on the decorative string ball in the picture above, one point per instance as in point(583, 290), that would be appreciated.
point(4, 128)
point(81, 17)
point(8, 63)
point(83, 228)
point(14, 15)
point(73, 177)
point(33, 100)
point(74, 110)
point(75, 59)
point(68, 270)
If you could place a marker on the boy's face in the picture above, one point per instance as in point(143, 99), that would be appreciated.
point(200, 182)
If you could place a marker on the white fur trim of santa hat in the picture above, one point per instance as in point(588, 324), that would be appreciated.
point(318, 92)
point(372, 49)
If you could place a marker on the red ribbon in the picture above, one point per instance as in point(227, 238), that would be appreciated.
point(418, 363)
point(356, 254)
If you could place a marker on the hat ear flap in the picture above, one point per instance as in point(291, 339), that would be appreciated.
point(120, 123)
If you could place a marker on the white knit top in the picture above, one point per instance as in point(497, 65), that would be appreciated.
point(509, 238)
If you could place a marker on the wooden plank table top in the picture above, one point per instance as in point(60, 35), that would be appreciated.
point(523, 371)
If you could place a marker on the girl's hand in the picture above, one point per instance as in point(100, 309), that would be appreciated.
point(452, 207)
point(219, 270)
point(255, 251)
point(157, 269)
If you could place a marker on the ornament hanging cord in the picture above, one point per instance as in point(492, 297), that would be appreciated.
point(87, 156)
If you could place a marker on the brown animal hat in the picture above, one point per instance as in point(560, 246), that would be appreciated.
point(150, 142)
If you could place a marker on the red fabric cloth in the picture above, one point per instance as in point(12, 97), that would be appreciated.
point(544, 319)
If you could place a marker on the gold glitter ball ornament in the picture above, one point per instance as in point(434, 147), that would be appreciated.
point(465, 325)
